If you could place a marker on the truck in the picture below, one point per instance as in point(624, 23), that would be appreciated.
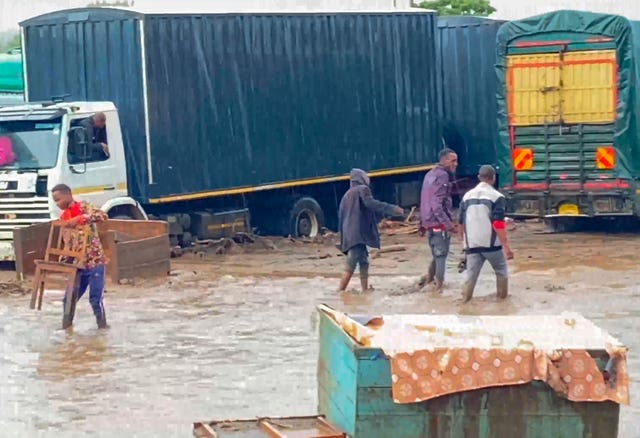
point(219, 123)
point(568, 106)
point(11, 78)
point(466, 57)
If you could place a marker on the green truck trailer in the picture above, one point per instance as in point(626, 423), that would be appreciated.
point(568, 109)
point(11, 77)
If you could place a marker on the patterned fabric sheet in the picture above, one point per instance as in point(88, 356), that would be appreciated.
point(435, 355)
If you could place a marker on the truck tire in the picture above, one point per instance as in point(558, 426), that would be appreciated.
point(306, 218)
point(186, 239)
point(561, 224)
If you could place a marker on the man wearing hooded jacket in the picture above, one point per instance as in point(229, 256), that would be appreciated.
point(359, 215)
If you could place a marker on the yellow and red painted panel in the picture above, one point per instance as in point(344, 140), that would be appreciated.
point(533, 89)
point(589, 87)
point(568, 87)
point(522, 159)
point(605, 157)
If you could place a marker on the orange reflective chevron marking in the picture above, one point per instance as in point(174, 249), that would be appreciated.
point(523, 159)
point(606, 157)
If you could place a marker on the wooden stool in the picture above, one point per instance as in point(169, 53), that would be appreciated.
point(64, 257)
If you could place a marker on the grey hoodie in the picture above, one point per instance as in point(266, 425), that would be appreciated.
point(360, 213)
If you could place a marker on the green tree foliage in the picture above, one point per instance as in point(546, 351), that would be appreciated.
point(481, 8)
point(13, 42)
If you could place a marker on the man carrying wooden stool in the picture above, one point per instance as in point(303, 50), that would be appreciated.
point(92, 276)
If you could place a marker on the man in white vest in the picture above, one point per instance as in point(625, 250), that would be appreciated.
point(482, 214)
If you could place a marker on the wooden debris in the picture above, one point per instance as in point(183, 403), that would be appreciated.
point(410, 215)
point(388, 249)
point(410, 225)
point(228, 246)
point(268, 244)
point(203, 430)
point(176, 251)
point(14, 289)
point(244, 238)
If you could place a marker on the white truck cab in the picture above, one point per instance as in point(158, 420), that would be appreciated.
point(42, 145)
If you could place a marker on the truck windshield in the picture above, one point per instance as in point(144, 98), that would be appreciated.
point(29, 144)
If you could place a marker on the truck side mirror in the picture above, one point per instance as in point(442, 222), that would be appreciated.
point(78, 147)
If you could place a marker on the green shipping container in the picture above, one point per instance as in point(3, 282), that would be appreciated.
point(11, 78)
point(354, 393)
point(568, 106)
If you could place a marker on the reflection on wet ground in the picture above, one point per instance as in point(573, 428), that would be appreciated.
point(206, 347)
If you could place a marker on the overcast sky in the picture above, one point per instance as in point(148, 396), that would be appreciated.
point(14, 11)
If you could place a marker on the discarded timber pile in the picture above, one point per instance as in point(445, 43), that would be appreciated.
point(411, 225)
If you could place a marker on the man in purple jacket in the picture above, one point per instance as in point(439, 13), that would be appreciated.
point(436, 218)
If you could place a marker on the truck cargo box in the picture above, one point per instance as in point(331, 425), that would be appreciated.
point(568, 107)
point(466, 52)
point(214, 104)
point(11, 78)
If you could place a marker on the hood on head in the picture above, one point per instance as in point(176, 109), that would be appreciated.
point(359, 178)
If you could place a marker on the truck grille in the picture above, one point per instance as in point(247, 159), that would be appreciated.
point(19, 212)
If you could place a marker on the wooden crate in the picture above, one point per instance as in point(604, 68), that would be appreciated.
point(136, 249)
point(354, 393)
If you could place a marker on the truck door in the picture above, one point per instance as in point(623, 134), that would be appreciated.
point(562, 111)
point(93, 179)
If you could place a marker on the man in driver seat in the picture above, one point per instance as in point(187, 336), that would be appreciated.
point(96, 127)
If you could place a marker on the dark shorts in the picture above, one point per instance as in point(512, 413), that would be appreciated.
point(357, 256)
point(439, 242)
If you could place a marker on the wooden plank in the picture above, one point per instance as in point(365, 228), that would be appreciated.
point(64, 252)
point(379, 401)
point(374, 373)
point(522, 410)
point(330, 408)
point(336, 375)
point(339, 386)
point(109, 245)
point(136, 229)
point(203, 430)
point(30, 245)
point(386, 426)
point(137, 252)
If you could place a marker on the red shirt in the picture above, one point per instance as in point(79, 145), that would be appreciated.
point(95, 253)
point(74, 210)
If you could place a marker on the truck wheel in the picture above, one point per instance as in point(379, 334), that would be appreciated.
point(186, 239)
point(561, 224)
point(306, 218)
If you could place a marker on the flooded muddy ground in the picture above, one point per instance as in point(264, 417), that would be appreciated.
point(235, 336)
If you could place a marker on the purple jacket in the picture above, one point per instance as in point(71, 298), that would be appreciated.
point(435, 200)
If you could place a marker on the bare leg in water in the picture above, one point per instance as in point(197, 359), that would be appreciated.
point(344, 281)
point(364, 283)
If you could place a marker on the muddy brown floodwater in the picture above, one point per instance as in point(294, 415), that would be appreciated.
point(236, 336)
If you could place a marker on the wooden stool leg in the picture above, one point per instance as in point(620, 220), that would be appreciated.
point(70, 301)
point(36, 289)
point(42, 279)
point(41, 294)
